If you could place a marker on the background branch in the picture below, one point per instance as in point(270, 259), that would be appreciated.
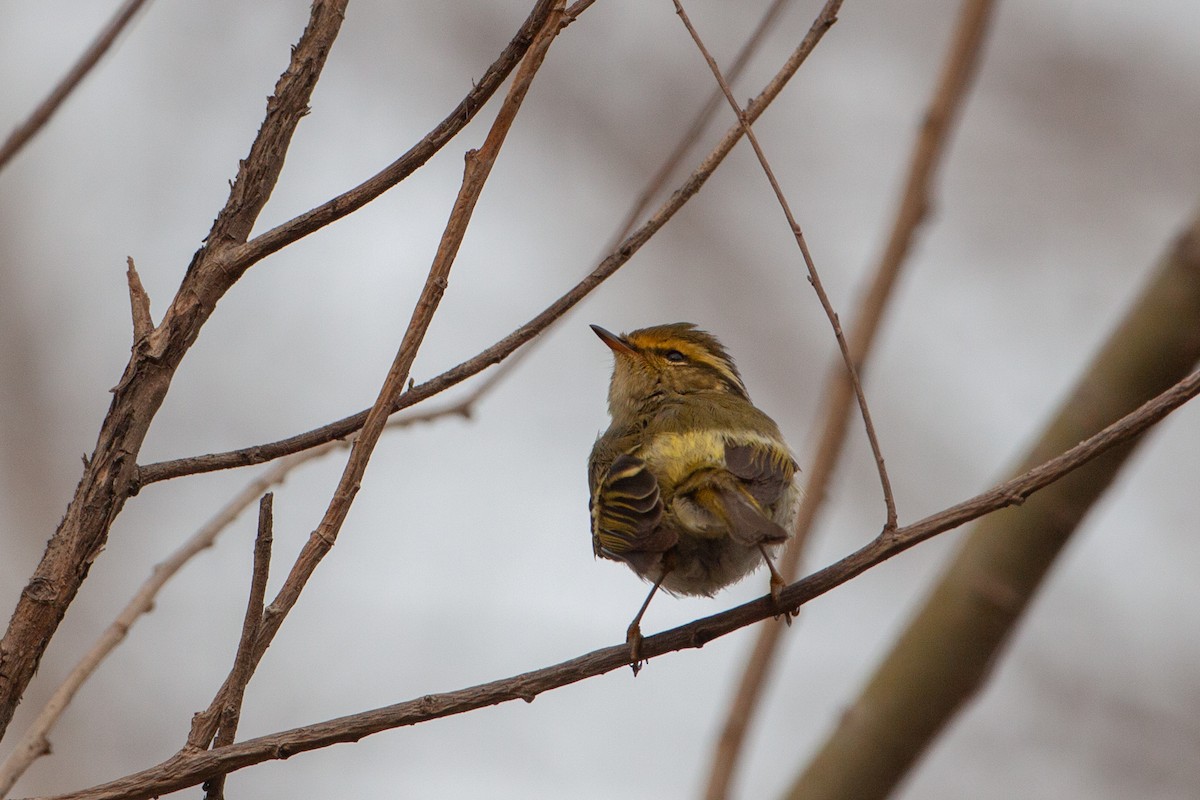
point(957, 75)
point(45, 110)
point(945, 654)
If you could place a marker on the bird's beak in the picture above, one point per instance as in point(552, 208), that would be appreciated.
point(614, 342)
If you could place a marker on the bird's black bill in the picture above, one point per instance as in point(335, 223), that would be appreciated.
point(614, 342)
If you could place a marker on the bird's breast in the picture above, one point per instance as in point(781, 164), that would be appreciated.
point(673, 456)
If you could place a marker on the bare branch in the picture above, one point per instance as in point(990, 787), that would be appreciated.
point(888, 500)
point(189, 769)
point(958, 70)
point(139, 301)
point(257, 454)
point(350, 201)
point(108, 478)
point(223, 715)
point(42, 114)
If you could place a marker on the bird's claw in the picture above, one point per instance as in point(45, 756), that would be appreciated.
point(633, 638)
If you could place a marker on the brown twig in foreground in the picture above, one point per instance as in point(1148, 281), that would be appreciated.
point(478, 166)
point(338, 429)
point(958, 70)
point(888, 500)
point(222, 719)
point(189, 769)
point(45, 110)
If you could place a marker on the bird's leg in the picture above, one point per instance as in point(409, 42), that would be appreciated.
point(633, 636)
point(777, 583)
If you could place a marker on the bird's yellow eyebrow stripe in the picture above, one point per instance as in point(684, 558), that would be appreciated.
point(693, 352)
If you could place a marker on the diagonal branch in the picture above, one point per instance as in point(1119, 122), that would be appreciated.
point(45, 110)
point(188, 769)
point(108, 478)
point(478, 167)
point(698, 124)
point(502, 349)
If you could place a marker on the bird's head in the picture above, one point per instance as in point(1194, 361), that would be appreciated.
point(652, 364)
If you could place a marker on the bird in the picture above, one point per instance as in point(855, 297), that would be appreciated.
point(691, 486)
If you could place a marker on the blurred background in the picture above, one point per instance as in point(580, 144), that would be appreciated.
point(467, 556)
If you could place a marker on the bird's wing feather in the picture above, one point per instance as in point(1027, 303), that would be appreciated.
point(626, 511)
point(765, 471)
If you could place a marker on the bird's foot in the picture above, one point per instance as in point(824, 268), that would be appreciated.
point(633, 638)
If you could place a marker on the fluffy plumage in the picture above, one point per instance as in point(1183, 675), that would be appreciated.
point(691, 485)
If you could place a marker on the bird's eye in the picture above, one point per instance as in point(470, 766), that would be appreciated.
point(675, 356)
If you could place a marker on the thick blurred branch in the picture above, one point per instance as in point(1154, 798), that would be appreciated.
point(190, 768)
point(946, 653)
point(45, 110)
point(957, 74)
point(107, 478)
point(257, 454)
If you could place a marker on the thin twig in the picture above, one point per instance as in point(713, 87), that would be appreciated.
point(45, 110)
point(139, 303)
point(257, 454)
point(189, 769)
point(574, 10)
point(223, 718)
point(957, 73)
point(888, 500)
point(660, 176)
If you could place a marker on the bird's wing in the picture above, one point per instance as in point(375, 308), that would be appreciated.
point(626, 511)
point(765, 471)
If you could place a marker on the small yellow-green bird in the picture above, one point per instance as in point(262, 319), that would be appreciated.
point(691, 485)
